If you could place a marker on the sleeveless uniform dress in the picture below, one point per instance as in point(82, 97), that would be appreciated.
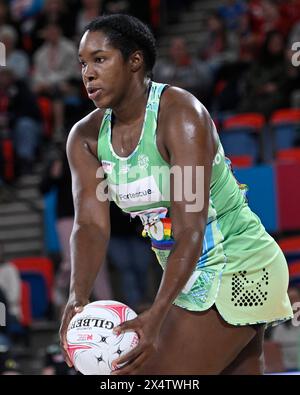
point(241, 269)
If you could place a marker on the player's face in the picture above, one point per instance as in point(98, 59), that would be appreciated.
point(105, 74)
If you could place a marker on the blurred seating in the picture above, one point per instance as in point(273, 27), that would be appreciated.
point(38, 290)
point(294, 271)
point(285, 124)
point(241, 135)
point(290, 246)
point(288, 195)
point(26, 313)
point(241, 161)
point(262, 194)
point(51, 237)
point(41, 265)
point(26, 305)
point(37, 272)
point(288, 155)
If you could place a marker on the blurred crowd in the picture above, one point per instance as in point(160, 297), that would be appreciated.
point(240, 62)
point(243, 59)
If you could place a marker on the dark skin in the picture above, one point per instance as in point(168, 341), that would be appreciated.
point(185, 137)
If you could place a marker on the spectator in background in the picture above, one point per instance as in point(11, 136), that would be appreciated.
point(54, 65)
point(131, 256)
point(21, 9)
point(138, 8)
point(183, 70)
point(23, 17)
point(5, 342)
point(6, 18)
point(289, 11)
point(217, 45)
point(288, 334)
point(10, 285)
point(264, 18)
point(53, 12)
point(174, 8)
point(90, 10)
point(57, 176)
point(294, 35)
point(142, 10)
point(231, 11)
point(19, 110)
point(17, 60)
point(248, 44)
point(230, 76)
point(116, 6)
point(265, 84)
point(4, 13)
point(293, 70)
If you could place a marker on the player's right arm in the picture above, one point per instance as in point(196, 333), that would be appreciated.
point(91, 230)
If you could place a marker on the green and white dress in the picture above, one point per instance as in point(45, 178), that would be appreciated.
point(241, 270)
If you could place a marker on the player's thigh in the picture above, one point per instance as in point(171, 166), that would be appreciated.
point(251, 359)
point(197, 343)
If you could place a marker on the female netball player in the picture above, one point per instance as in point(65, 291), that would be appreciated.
point(224, 278)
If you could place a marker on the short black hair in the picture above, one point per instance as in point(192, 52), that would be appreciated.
point(128, 34)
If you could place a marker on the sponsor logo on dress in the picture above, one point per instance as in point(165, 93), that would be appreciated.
point(188, 184)
point(136, 193)
point(108, 166)
point(143, 161)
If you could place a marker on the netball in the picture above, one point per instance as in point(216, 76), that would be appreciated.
point(92, 345)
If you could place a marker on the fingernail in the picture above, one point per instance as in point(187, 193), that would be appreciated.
point(115, 365)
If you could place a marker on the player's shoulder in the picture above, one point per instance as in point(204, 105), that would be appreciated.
point(85, 132)
point(177, 103)
point(88, 126)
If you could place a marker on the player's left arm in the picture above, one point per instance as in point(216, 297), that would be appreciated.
point(189, 138)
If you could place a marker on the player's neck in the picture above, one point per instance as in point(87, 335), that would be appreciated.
point(132, 106)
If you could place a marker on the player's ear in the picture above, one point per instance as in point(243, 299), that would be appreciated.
point(136, 61)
